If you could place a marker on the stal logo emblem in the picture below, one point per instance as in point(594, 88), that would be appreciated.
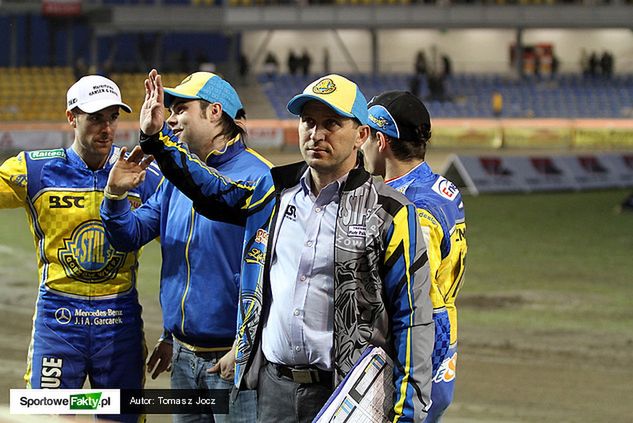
point(62, 315)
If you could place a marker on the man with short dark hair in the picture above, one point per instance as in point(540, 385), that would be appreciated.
point(400, 131)
point(87, 320)
point(333, 260)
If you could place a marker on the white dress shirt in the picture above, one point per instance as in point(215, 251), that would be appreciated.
point(299, 328)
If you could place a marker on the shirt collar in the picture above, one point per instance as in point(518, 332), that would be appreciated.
point(76, 159)
point(422, 171)
point(232, 148)
point(328, 194)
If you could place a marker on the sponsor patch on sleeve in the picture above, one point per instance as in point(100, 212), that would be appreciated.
point(46, 154)
point(445, 188)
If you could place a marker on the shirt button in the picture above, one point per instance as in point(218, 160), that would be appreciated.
point(296, 312)
point(309, 243)
point(318, 210)
point(303, 277)
point(297, 348)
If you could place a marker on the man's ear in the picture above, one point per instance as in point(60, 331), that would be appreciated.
point(383, 142)
point(71, 118)
point(363, 135)
point(215, 111)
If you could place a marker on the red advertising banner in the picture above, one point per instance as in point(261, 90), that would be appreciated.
point(61, 7)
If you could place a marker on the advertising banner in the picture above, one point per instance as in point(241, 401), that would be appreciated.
point(589, 171)
point(61, 7)
point(488, 174)
point(537, 137)
point(265, 137)
point(33, 140)
point(482, 174)
point(603, 138)
point(467, 134)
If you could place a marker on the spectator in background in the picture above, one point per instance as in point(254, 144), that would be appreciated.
point(326, 61)
point(306, 61)
point(271, 65)
point(292, 62)
point(497, 104)
point(244, 68)
point(400, 131)
point(594, 63)
point(414, 84)
point(447, 66)
point(537, 63)
point(584, 62)
point(437, 87)
point(420, 63)
point(555, 65)
point(606, 64)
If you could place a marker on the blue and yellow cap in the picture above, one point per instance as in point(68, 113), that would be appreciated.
point(206, 86)
point(335, 91)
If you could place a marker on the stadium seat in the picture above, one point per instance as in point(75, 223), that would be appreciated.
point(566, 96)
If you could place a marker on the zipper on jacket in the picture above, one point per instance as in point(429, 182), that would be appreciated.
point(188, 264)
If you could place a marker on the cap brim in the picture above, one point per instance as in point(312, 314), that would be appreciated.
point(95, 106)
point(170, 94)
point(295, 105)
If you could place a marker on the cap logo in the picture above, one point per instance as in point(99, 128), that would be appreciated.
point(325, 86)
point(72, 101)
point(103, 88)
point(380, 122)
point(187, 79)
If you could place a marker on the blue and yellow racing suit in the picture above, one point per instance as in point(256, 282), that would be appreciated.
point(87, 318)
point(441, 216)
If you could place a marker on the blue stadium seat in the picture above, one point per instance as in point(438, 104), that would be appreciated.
point(565, 96)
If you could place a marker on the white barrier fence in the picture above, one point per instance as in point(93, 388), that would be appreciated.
point(492, 173)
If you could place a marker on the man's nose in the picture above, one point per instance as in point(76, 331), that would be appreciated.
point(317, 133)
point(108, 125)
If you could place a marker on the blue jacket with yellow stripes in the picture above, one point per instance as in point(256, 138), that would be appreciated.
point(381, 280)
point(200, 258)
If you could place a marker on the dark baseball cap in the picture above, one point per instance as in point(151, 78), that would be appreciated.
point(398, 114)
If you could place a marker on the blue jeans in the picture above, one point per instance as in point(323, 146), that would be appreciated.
point(189, 371)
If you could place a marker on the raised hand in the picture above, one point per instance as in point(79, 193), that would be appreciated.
point(152, 113)
point(128, 173)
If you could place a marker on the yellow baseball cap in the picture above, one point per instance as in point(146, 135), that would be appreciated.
point(206, 86)
point(335, 91)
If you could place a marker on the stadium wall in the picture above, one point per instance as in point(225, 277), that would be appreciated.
point(454, 134)
point(471, 50)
